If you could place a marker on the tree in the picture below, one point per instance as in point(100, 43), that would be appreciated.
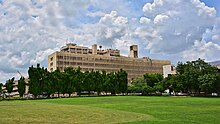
point(1, 90)
point(152, 79)
point(218, 84)
point(146, 90)
point(21, 86)
point(1, 85)
point(112, 83)
point(57, 79)
point(78, 81)
point(177, 83)
point(36, 82)
point(122, 80)
point(194, 77)
point(180, 68)
point(9, 86)
point(106, 86)
point(136, 85)
point(98, 82)
point(134, 89)
point(49, 87)
point(69, 77)
point(208, 83)
point(158, 88)
point(149, 83)
point(87, 82)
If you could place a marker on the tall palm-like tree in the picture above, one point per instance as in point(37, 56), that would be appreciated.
point(21, 86)
point(9, 86)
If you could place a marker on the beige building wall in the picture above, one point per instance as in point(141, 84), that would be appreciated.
point(109, 60)
point(52, 61)
point(168, 70)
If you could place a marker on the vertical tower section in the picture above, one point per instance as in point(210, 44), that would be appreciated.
point(52, 62)
point(134, 51)
point(94, 49)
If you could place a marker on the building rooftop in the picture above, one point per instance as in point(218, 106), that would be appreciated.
point(73, 48)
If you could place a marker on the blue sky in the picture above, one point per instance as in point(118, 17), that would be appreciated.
point(175, 30)
point(213, 3)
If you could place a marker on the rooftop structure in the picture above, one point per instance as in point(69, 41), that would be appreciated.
point(73, 48)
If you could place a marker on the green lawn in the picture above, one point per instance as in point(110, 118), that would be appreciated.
point(118, 109)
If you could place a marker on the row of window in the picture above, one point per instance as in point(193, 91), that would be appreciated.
point(131, 73)
point(69, 58)
point(79, 59)
point(60, 58)
point(61, 63)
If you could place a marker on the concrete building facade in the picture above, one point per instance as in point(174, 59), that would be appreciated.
point(168, 70)
point(109, 60)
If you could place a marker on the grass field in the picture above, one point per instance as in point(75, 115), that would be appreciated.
point(118, 109)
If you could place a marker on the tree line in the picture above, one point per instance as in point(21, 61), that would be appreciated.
point(147, 84)
point(193, 78)
point(42, 82)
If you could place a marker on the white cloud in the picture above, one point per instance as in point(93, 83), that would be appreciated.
point(206, 50)
point(113, 19)
point(110, 28)
point(41, 56)
point(144, 20)
point(178, 24)
point(96, 14)
point(160, 19)
point(30, 30)
point(204, 10)
point(148, 7)
point(216, 37)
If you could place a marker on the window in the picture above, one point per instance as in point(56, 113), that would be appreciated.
point(79, 58)
point(79, 63)
point(60, 57)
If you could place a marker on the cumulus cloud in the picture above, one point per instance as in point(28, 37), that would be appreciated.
point(113, 19)
point(31, 30)
point(177, 24)
point(216, 37)
point(206, 50)
point(144, 20)
point(159, 19)
point(110, 28)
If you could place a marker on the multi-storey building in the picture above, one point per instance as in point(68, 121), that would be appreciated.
point(109, 60)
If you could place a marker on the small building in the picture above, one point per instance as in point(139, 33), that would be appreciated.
point(15, 92)
point(15, 88)
point(168, 70)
